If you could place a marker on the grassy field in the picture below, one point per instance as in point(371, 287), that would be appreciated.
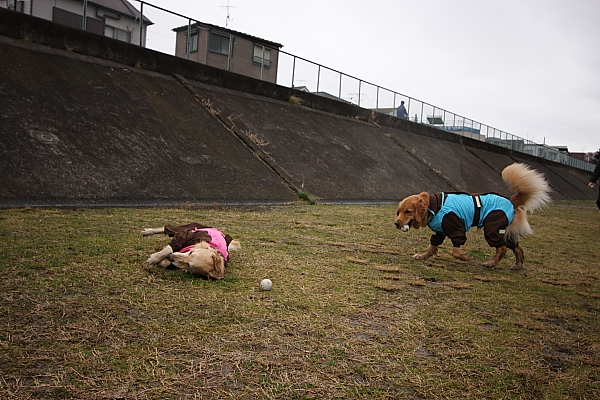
point(351, 314)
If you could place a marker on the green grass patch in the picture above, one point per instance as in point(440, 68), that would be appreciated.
point(351, 314)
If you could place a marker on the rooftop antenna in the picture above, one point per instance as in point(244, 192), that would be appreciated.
point(228, 18)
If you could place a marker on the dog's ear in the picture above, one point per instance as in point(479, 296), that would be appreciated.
point(421, 207)
point(218, 271)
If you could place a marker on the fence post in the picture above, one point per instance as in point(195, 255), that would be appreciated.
point(142, 24)
point(293, 71)
point(84, 22)
point(229, 51)
point(340, 90)
point(359, 86)
point(188, 40)
point(318, 77)
point(262, 64)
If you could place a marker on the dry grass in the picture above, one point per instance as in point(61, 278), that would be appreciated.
point(255, 139)
point(295, 100)
point(351, 314)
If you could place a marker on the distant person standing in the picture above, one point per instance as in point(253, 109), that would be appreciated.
point(593, 179)
point(401, 111)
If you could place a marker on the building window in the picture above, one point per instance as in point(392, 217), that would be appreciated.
point(117, 33)
point(219, 43)
point(258, 56)
point(193, 44)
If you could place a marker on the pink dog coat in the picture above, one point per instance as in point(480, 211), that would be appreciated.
point(184, 237)
point(217, 241)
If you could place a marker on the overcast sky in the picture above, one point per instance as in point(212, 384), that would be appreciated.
point(528, 67)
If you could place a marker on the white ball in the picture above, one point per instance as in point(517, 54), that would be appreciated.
point(266, 284)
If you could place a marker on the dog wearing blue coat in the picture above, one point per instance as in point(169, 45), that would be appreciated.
point(504, 220)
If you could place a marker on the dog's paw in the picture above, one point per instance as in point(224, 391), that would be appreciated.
point(155, 258)
point(147, 232)
point(463, 257)
point(234, 245)
point(460, 255)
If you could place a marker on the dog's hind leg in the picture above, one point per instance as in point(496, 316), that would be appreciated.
point(500, 253)
point(152, 231)
point(458, 253)
point(520, 257)
point(431, 250)
point(159, 256)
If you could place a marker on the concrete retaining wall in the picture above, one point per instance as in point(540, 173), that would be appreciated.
point(86, 120)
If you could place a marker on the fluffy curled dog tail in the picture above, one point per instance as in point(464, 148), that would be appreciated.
point(532, 192)
point(234, 245)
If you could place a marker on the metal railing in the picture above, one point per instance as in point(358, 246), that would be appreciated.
point(172, 33)
point(315, 78)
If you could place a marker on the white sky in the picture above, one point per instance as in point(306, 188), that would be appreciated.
point(528, 67)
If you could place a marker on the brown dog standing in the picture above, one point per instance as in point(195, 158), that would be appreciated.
point(453, 214)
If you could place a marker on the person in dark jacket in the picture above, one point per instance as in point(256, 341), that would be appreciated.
point(401, 111)
point(593, 179)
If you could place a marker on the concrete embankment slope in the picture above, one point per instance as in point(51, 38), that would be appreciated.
point(130, 126)
point(75, 131)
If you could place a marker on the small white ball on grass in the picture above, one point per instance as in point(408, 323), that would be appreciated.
point(266, 284)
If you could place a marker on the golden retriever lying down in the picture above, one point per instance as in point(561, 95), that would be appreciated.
point(194, 248)
point(503, 220)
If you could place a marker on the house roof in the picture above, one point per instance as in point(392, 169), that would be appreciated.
point(220, 28)
point(122, 7)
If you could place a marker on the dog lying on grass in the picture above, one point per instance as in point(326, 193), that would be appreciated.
point(194, 248)
point(503, 220)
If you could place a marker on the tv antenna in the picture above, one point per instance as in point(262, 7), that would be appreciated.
point(228, 18)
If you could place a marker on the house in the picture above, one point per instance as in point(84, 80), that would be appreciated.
point(322, 94)
point(227, 49)
point(587, 157)
point(117, 19)
point(562, 149)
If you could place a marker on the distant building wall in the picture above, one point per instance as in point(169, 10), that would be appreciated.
point(101, 20)
point(228, 50)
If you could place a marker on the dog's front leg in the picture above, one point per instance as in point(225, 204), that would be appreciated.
point(520, 257)
point(500, 253)
point(431, 250)
point(152, 231)
point(159, 256)
point(458, 253)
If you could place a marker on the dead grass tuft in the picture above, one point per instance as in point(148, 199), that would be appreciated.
point(296, 101)
point(418, 282)
point(209, 105)
point(457, 285)
point(387, 268)
point(554, 282)
point(387, 286)
point(357, 260)
point(255, 139)
point(493, 278)
point(392, 277)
